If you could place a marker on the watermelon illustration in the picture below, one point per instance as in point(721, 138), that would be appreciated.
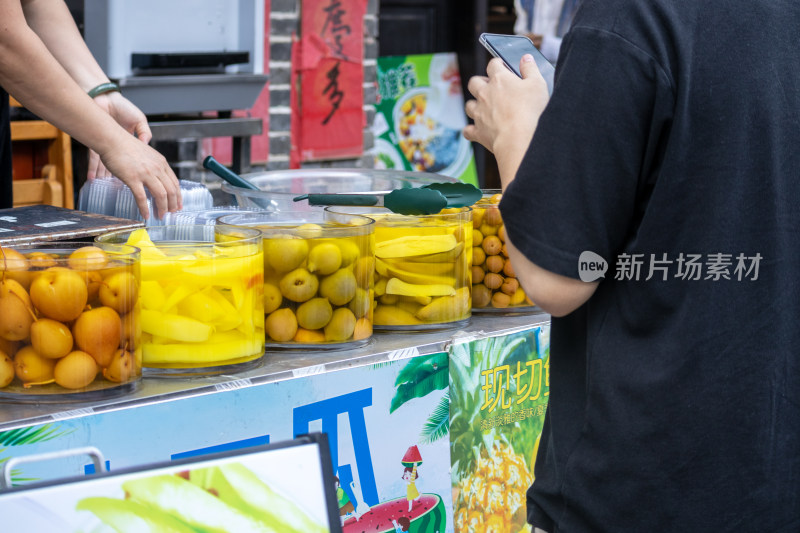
point(427, 516)
point(412, 457)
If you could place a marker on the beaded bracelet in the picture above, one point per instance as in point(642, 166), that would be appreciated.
point(104, 88)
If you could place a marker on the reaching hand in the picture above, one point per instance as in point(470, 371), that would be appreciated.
point(139, 166)
point(128, 116)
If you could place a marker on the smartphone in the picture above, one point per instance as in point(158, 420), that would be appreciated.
point(511, 48)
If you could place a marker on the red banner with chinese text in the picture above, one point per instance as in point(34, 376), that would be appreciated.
point(328, 117)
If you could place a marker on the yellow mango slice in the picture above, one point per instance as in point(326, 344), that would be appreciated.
point(436, 269)
point(401, 288)
point(447, 308)
point(180, 328)
point(152, 296)
point(211, 271)
point(200, 306)
point(231, 318)
point(389, 315)
point(158, 268)
point(175, 296)
point(414, 245)
point(233, 345)
point(141, 239)
point(385, 269)
point(441, 257)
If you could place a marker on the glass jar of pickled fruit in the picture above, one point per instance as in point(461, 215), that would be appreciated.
point(69, 320)
point(422, 267)
point(201, 297)
point(318, 277)
point(495, 287)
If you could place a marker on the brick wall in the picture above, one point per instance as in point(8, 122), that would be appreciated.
point(284, 19)
point(185, 155)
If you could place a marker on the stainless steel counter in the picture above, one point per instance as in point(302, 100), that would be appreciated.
point(274, 366)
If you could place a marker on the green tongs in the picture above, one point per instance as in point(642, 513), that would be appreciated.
point(426, 200)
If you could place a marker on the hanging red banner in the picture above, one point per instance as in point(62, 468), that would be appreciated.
point(327, 62)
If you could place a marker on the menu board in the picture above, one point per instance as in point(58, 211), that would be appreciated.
point(420, 115)
point(286, 487)
point(44, 223)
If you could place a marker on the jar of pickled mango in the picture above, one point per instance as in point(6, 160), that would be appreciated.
point(69, 321)
point(201, 297)
point(422, 268)
point(318, 277)
point(495, 287)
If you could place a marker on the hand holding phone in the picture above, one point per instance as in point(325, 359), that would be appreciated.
point(511, 48)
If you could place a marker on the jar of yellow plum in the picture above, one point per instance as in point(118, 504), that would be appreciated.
point(201, 297)
point(318, 277)
point(495, 287)
point(422, 268)
point(69, 321)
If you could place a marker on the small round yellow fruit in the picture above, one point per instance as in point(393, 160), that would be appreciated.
point(281, 325)
point(76, 370)
point(59, 293)
point(7, 373)
point(50, 338)
point(88, 258)
point(30, 367)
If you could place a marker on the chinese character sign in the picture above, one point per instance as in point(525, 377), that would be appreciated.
point(328, 62)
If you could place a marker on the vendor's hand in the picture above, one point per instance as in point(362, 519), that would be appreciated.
point(128, 116)
point(139, 166)
point(506, 108)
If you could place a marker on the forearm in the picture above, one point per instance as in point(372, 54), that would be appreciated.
point(33, 76)
point(556, 294)
point(53, 23)
point(509, 150)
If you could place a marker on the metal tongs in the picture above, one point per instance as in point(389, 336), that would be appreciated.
point(426, 200)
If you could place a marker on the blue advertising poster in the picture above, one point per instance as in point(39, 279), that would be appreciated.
point(386, 425)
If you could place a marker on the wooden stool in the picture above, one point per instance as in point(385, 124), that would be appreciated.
point(55, 187)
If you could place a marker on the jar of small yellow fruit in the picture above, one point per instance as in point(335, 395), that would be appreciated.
point(495, 287)
point(422, 268)
point(318, 277)
point(201, 297)
point(69, 321)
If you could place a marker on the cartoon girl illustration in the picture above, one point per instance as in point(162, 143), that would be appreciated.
point(346, 507)
point(401, 525)
point(410, 476)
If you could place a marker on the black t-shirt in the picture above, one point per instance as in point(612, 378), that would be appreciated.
point(6, 199)
point(671, 142)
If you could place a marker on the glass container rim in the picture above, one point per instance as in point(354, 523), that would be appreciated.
point(121, 249)
point(423, 177)
point(328, 228)
point(346, 210)
point(251, 235)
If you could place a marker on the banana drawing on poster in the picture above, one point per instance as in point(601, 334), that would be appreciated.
point(420, 115)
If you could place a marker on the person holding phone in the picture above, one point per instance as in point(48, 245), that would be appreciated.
point(46, 65)
point(650, 206)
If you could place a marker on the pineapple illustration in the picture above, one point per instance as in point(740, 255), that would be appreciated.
point(492, 468)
